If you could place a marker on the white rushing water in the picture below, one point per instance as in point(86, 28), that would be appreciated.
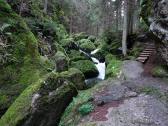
point(95, 51)
point(101, 67)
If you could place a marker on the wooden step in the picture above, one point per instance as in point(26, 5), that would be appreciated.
point(142, 60)
point(144, 55)
point(149, 49)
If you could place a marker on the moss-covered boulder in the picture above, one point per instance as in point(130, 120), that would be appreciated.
point(76, 77)
point(87, 67)
point(61, 62)
point(24, 66)
point(69, 44)
point(87, 45)
point(76, 55)
point(43, 102)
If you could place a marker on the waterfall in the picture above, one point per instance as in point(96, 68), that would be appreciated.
point(101, 67)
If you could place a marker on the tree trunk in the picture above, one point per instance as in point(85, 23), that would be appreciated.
point(45, 6)
point(21, 7)
point(125, 29)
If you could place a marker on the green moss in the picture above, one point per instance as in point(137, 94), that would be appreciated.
point(87, 67)
point(68, 44)
point(82, 98)
point(87, 45)
point(137, 49)
point(19, 109)
point(113, 68)
point(76, 77)
point(85, 109)
point(61, 61)
point(27, 67)
point(75, 55)
point(4, 7)
point(149, 90)
point(72, 109)
point(160, 71)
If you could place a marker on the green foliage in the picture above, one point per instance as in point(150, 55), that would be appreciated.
point(86, 108)
point(160, 71)
point(50, 29)
point(68, 44)
point(72, 109)
point(113, 68)
point(82, 98)
point(150, 90)
point(109, 57)
point(26, 66)
point(75, 55)
point(16, 113)
point(146, 10)
point(92, 38)
point(111, 41)
point(136, 50)
point(87, 45)
point(80, 36)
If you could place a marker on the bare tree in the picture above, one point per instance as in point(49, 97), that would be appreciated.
point(125, 28)
point(45, 6)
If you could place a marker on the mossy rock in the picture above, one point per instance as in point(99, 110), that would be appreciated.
point(76, 77)
point(98, 43)
point(27, 67)
point(160, 71)
point(87, 67)
point(69, 44)
point(61, 62)
point(44, 101)
point(87, 45)
point(76, 55)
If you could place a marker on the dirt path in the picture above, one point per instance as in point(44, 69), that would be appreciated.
point(149, 65)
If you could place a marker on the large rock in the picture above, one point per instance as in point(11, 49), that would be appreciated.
point(159, 27)
point(43, 102)
point(75, 76)
point(87, 67)
point(20, 62)
point(87, 45)
point(132, 69)
point(157, 10)
point(61, 62)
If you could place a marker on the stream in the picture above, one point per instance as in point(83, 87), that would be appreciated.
point(101, 67)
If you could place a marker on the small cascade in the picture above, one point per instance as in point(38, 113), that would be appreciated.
point(95, 51)
point(100, 66)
